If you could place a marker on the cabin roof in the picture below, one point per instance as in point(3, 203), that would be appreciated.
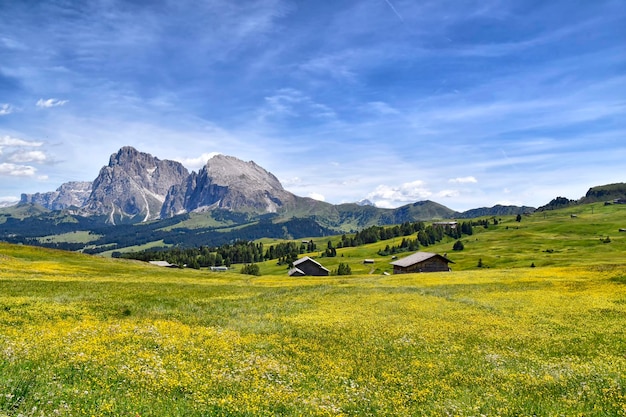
point(296, 272)
point(418, 257)
point(305, 259)
point(162, 263)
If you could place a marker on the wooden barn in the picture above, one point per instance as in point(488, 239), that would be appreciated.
point(307, 266)
point(421, 262)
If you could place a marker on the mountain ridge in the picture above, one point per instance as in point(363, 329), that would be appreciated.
point(226, 199)
point(138, 187)
point(69, 194)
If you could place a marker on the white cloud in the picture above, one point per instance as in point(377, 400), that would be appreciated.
point(14, 170)
point(448, 193)
point(293, 103)
point(196, 163)
point(334, 66)
point(30, 156)
point(317, 196)
point(386, 196)
point(463, 180)
point(11, 141)
point(51, 102)
point(5, 109)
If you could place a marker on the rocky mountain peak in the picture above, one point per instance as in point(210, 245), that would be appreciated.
point(127, 154)
point(133, 186)
point(231, 171)
point(229, 183)
point(136, 186)
point(130, 158)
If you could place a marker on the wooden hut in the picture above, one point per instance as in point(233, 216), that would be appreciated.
point(421, 262)
point(307, 266)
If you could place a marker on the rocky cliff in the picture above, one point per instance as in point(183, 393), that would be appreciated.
point(136, 186)
point(229, 183)
point(133, 186)
point(70, 194)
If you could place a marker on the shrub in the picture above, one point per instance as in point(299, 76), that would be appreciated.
point(251, 269)
point(344, 269)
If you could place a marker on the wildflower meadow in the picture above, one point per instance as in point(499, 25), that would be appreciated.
point(85, 336)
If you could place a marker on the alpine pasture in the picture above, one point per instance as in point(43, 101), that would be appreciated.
point(83, 335)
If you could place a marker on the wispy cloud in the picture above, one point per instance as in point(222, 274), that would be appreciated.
point(463, 180)
point(380, 107)
point(448, 193)
point(28, 156)
point(15, 153)
point(197, 162)
point(393, 196)
point(13, 170)
point(289, 102)
point(12, 141)
point(51, 102)
point(5, 109)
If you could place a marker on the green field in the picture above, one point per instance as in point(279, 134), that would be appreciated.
point(570, 237)
point(83, 336)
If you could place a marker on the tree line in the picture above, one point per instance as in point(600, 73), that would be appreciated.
point(239, 252)
point(248, 252)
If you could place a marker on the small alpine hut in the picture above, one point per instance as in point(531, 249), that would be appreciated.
point(307, 266)
point(421, 262)
point(164, 264)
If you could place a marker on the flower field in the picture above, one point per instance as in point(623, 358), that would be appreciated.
point(85, 336)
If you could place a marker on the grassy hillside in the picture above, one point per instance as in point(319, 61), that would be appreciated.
point(566, 237)
point(32, 224)
point(83, 335)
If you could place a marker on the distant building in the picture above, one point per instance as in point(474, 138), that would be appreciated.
point(164, 264)
point(452, 225)
point(307, 266)
point(219, 268)
point(421, 262)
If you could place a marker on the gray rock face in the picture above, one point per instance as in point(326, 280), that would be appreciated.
point(74, 193)
point(229, 183)
point(133, 186)
point(137, 186)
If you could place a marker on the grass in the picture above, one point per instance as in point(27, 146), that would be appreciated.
point(71, 237)
point(137, 248)
point(83, 335)
point(552, 238)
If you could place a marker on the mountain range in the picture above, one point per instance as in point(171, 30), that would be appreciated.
point(225, 200)
point(138, 187)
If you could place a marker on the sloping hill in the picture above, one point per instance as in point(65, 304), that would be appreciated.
point(603, 193)
point(607, 192)
point(566, 237)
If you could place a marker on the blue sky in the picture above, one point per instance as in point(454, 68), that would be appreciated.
point(466, 103)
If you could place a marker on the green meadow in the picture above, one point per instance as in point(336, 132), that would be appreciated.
point(576, 236)
point(91, 336)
